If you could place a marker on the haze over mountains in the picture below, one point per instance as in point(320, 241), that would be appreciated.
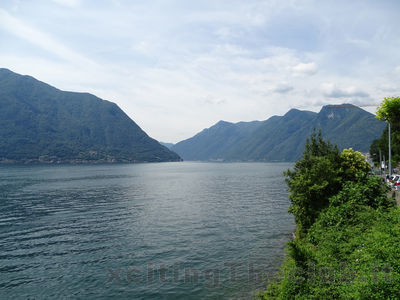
point(39, 123)
point(282, 138)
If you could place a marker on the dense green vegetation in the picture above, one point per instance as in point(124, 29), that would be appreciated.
point(382, 144)
point(39, 123)
point(348, 231)
point(282, 138)
point(389, 111)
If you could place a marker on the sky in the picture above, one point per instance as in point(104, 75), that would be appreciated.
point(178, 66)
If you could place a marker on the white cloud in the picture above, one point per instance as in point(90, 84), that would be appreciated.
point(69, 3)
point(141, 47)
point(332, 91)
point(359, 43)
point(305, 69)
point(28, 33)
point(391, 88)
point(178, 66)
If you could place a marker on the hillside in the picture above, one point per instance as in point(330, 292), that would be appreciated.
point(216, 141)
point(39, 123)
point(282, 138)
point(168, 145)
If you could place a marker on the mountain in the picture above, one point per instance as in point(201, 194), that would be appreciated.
point(282, 138)
point(168, 145)
point(216, 141)
point(39, 123)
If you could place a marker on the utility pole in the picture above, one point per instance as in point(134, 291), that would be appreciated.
point(390, 153)
point(380, 161)
point(384, 164)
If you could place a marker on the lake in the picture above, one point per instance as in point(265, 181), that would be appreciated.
point(141, 231)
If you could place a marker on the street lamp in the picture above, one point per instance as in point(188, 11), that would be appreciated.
point(390, 153)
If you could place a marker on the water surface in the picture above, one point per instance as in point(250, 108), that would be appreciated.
point(143, 231)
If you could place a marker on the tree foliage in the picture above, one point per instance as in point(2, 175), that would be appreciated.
point(319, 175)
point(353, 165)
point(348, 246)
point(382, 145)
point(313, 180)
point(389, 110)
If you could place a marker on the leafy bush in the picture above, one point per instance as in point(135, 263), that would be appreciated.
point(353, 165)
point(319, 175)
point(314, 179)
point(349, 253)
point(349, 249)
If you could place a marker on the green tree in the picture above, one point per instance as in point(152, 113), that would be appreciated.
point(389, 110)
point(353, 165)
point(382, 144)
point(346, 252)
point(313, 180)
point(319, 175)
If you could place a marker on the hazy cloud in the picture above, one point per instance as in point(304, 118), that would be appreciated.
point(283, 88)
point(38, 38)
point(332, 91)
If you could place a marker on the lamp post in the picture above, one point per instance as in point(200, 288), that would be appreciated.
point(384, 164)
point(390, 152)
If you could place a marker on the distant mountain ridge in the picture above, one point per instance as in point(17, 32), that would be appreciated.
point(282, 138)
point(168, 145)
point(40, 123)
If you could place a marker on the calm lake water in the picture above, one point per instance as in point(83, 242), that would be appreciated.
point(144, 231)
